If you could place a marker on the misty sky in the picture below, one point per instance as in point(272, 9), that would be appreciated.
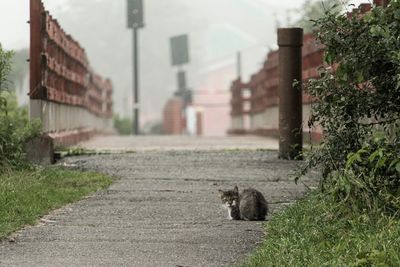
point(216, 28)
point(16, 13)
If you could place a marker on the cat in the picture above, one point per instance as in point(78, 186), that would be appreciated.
point(250, 205)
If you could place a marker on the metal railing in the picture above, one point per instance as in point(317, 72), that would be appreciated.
point(263, 87)
point(65, 93)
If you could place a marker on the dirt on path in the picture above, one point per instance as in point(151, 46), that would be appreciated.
point(163, 210)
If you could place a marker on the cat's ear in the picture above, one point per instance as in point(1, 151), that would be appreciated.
point(236, 189)
point(220, 192)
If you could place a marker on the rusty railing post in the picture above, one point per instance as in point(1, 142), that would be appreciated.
point(35, 22)
point(290, 41)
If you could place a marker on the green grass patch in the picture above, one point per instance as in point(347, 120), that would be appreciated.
point(314, 232)
point(26, 195)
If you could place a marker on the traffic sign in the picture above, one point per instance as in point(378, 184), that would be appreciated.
point(135, 13)
point(179, 50)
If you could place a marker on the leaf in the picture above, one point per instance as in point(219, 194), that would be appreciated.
point(329, 58)
point(352, 158)
point(359, 77)
point(380, 163)
point(393, 163)
point(372, 157)
point(342, 73)
point(376, 30)
point(368, 17)
point(397, 14)
point(398, 167)
point(398, 81)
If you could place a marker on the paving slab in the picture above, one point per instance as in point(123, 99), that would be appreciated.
point(162, 210)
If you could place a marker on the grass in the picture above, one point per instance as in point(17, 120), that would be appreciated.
point(62, 152)
point(313, 232)
point(25, 196)
point(76, 151)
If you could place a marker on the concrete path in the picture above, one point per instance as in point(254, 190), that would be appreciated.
point(167, 143)
point(163, 210)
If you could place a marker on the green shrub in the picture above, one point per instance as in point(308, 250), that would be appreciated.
point(15, 130)
point(370, 178)
point(5, 69)
point(312, 9)
point(354, 102)
point(123, 125)
point(15, 127)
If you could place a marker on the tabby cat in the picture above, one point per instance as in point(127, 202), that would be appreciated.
point(249, 205)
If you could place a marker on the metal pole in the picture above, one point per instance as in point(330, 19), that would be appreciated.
point(135, 83)
point(290, 41)
point(239, 64)
point(35, 21)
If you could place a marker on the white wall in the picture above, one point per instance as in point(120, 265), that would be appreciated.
point(57, 117)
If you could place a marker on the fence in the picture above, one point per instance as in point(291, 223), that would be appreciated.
point(70, 99)
point(257, 100)
point(255, 104)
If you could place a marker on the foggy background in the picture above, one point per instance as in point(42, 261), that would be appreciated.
point(217, 30)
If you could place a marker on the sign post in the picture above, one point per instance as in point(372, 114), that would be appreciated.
point(135, 22)
point(179, 57)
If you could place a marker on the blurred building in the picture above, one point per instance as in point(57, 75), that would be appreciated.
point(211, 99)
point(208, 112)
point(173, 117)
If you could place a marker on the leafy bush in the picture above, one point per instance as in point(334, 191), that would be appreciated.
point(15, 130)
point(370, 179)
point(15, 127)
point(5, 69)
point(354, 101)
point(313, 9)
point(123, 125)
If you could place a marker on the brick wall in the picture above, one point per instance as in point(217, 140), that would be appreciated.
point(173, 120)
